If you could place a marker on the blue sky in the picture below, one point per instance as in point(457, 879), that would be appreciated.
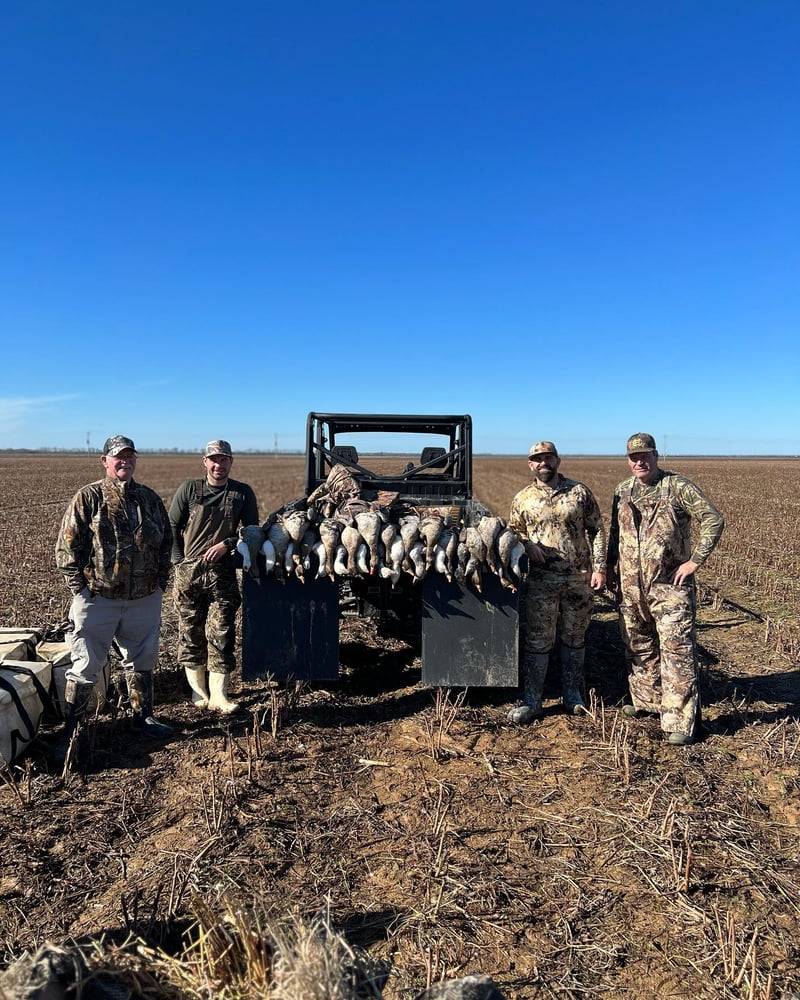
point(573, 220)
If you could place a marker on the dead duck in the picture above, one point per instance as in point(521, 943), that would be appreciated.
point(476, 547)
point(462, 559)
point(430, 527)
point(300, 556)
point(318, 551)
point(330, 532)
point(280, 539)
point(511, 549)
point(340, 560)
point(416, 558)
point(409, 533)
point(489, 529)
point(507, 543)
point(268, 551)
point(351, 539)
point(369, 524)
point(444, 553)
point(251, 538)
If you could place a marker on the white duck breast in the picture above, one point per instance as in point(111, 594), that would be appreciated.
point(244, 552)
point(430, 527)
point(362, 559)
point(396, 555)
point(268, 551)
point(288, 559)
point(340, 561)
point(417, 559)
point(444, 553)
point(319, 552)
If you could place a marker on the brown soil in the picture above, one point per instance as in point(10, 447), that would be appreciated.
point(578, 857)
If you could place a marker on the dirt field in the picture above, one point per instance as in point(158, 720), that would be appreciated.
point(580, 857)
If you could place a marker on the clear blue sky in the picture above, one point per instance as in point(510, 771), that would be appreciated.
point(573, 220)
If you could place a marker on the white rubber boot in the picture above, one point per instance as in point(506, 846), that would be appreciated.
point(199, 686)
point(218, 694)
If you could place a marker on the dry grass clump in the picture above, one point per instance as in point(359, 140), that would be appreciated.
point(243, 953)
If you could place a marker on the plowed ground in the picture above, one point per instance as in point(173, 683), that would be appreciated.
point(579, 857)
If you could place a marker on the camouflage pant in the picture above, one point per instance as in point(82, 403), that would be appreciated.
point(658, 627)
point(206, 601)
point(554, 602)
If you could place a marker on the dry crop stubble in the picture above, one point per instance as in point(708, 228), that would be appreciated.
point(578, 857)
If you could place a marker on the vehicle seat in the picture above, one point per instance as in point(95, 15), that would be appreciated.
point(346, 453)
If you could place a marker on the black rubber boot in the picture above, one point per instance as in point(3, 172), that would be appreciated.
point(140, 692)
point(534, 669)
point(572, 679)
point(76, 703)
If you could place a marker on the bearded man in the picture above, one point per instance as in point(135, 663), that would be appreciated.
point(560, 522)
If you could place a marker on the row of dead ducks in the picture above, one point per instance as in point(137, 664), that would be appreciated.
point(370, 544)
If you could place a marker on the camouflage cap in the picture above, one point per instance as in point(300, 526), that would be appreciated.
point(114, 445)
point(542, 448)
point(218, 447)
point(641, 442)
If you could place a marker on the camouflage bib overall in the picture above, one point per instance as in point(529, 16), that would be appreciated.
point(658, 617)
point(207, 594)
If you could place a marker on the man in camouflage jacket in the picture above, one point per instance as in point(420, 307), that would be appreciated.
point(560, 522)
point(205, 515)
point(114, 551)
point(651, 565)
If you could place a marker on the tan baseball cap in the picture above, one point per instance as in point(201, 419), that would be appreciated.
point(542, 448)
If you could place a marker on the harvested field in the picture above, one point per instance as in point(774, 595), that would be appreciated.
point(580, 857)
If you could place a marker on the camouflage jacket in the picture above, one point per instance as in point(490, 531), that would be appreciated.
point(202, 515)
point(651, 525)
point(564, 520)
point(115, 539)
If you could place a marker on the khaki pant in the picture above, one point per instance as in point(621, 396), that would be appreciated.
point(96, 621)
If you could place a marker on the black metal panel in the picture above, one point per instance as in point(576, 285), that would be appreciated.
point(469, 639)
point(290, 630)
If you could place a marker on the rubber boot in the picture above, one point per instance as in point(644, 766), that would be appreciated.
point(76, 704)
point(572, 679)
point(218, 693)
point(198, 683)
point(534, 669)
point(140, 692)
